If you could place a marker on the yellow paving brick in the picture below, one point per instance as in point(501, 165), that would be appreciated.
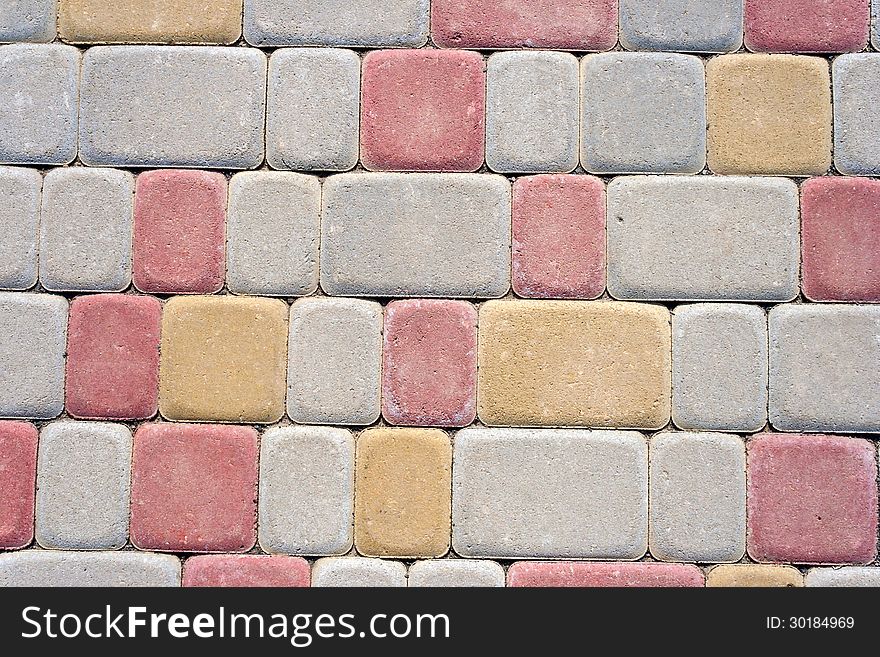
point(574, 363)
point(743, 575)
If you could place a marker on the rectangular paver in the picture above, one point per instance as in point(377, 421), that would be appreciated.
point(83, 486)
point(559, 363)
point(806, 25)
point(556, 574)
point(20, 190)
point(754, 575)
point(431, 235)
point(875, 24)
point(28, 20)
point(544, 493)
point(18, 472)
point(358, 572)
point(703, 238)
point(134, 98)
point(681, 25)
point(246, 570)
point(848, 576)
point(856, 117)
point(455, 573)
point(55, 568)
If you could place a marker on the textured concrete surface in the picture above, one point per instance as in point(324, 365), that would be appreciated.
point(246, 570)
point(875, 24)
point(18, 471)
point(28, 20)
point(19, 223)
point(806, 25)
point(643, 113)
point(358, 572)
point(849, 576)
point(456, 573)
point(754, 575)
point(682, 25)
point(604, 575)
point(534, 493)
point(569, 363)
point(703, 238)
point(53, 568)
point(83, 486)
point(719, 367)
point(856, 116)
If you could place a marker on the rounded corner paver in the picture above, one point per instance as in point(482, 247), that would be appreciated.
point(781, 26)
point(246, 570)
point(358, 572)
point(18, 474)
point(682, 25)
point(754, 575)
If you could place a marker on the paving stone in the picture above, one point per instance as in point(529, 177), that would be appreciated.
point(558, 363)
point(85, 230)
point(812, 499)
point(562, 574)
point(306, 490)
point(150, 21)
point(423, 110)
point(18, 468)
point(194, 488)
point(754, 575)
point(850, 576)
point(719, 367)
point(113, 357)
point(179, 232)
point(703, 238)
point(856, 117)
point(429, 363)
point(367, 23)
point(223, 359)
point(33, 335)
point(559, 236)
point(313, 109)
point(823, 374)
point(681, 25)
point(54, 568)
point(358, 572)
point(769, 114)
point(542, 493)
point(697, 497)
point(402, 493)
point(246, 570)
point(840, 220)
point(19, 220)
point(549, 24)
point(429, 235)
point(806, 25)
point(455, 573)
point(335, 361)
point(532, 106)
point(643, 113)
point(39, 117)
point(875, 24)
point(83, 486)
point(133, 98)
point(28, 20)
point(273, 234)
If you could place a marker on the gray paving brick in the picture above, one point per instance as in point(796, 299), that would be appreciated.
point(703, 238)
point(358, 572)
point(83, 486)
point(433, 235)
point(39, 85)
point(532, 106)
point(824, 373)
point(550, 493)
point(848, 576)
point(698, 497)
point(19, 224)
point(681, 25)
point(86, 230)
point(273, 233)
point(875, 24)
point(28, 20)
point(456, 573)
point(856, 114)
point(33, 338)
point(53, 568)
point(334, 361)
point(643, 113)
point(366, 23)
point(306, 491)
point(719, 367)
point(313, 110)
point(173, 106)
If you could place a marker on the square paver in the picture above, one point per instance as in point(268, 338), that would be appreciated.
point(55, 568)
point(681, 25)
point(194, 488)
point(358, 572)
point(856, 114)
point(643, 113)
point(18, 476)
point(806, 25)
point(616, 575)
point(455, 573)
point(40, 85)
point(429, 363)
point(20, 190)
point(754, 575)
point(113, 357)
point(85, 230)
point(83, 486)
point(223, 359)
point(28, 20)
point(246, 570)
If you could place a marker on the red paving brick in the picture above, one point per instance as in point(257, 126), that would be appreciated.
point(580, 574)
point(246, 570)
point(806, 25)
point(18, 474)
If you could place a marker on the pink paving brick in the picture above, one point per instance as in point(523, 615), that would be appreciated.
point(429, 372)
point(581, 574)
point(18, 474)
point(246, 570)
point(559, 237)
point(841, 239)
point(179, 232)
point(194, 488)
point(423, 110)
point(812, 499)
point(806, 25)
point(113, 357)
point(551, 24)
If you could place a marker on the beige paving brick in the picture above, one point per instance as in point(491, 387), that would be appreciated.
point(754, 575)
